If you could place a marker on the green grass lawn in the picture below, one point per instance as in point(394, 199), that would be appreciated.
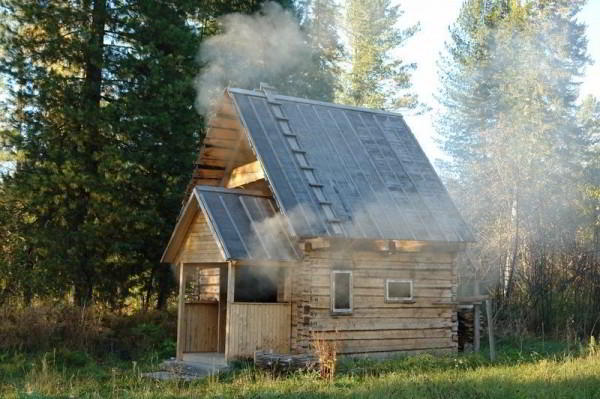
point(533, 370)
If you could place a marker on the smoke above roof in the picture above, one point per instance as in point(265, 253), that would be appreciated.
point(251, 48)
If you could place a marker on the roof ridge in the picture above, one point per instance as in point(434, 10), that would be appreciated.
point(275, 97)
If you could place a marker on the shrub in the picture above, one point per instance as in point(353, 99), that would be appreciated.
point(76, 332)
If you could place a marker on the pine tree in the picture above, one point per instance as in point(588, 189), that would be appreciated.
point(101, 100)
point(318, 78)
point(509, 89)
point(376, 79)
point(100, 114)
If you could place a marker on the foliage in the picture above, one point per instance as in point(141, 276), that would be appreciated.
point(377, 78)
point(525, 372)
point(100, 128)
point(520, 154)
point(101, 102)
point(77, 333)
point(320, 80)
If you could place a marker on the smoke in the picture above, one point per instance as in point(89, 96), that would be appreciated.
point(520, 155)
point(264, 46)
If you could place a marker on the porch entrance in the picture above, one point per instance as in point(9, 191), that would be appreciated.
point(201, 320)
point(232, 310)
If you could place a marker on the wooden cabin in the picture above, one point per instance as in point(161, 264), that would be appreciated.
point(308, 220)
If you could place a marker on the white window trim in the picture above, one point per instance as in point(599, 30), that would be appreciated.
point(396, 299)
point(350, 292)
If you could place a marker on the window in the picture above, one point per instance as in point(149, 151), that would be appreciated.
point(341, 288)
point(398, 290)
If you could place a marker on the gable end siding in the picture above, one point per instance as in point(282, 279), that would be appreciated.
point(199, 245)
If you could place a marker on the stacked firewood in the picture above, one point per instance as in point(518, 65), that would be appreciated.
point(282, 364)
point(466, 328)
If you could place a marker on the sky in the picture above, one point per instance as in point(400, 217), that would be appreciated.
point(424, 48)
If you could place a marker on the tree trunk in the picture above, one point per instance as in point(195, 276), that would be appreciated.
point(83, 294)
point(511, 257)
point(165, 286)
point(91, 136)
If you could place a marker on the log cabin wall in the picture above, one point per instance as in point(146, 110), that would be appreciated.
point(376, 326)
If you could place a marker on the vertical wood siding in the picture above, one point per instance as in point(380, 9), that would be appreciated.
point(258, 326)
point(200, 326)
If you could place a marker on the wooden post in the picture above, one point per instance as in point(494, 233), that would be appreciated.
point(476, 321)
point(180, 313)
point(222, 307)
point(490, 320)
point(230, 299)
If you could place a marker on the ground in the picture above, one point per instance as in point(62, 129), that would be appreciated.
point(522, 370)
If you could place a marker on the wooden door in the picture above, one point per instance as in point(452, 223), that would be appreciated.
point(201, 327)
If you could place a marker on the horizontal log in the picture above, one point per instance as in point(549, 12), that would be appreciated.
point(205, 182)
point(226, 105)
point(363, 346)
point(387, 313)
point(367, 324)
point(371, 258)
point(385, 334)
point(377, 270)
point(380, 292)
point(222, 140)
point(211, 163)
point(424, 280)
point(210, 173)
point(226, 121)
point(323, 302)
point(284, 363)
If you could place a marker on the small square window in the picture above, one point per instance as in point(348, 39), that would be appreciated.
point(398, 290)
point(341, 291)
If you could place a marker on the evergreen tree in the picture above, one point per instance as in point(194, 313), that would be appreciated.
point(101, 100)
point(100, 114)
point(376, 79)
point(509, 87)
point(318, 78)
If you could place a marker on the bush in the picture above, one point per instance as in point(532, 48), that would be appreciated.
point(76, 332)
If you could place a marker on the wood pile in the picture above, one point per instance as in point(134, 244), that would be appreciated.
point(279, 363)
point(466, 328)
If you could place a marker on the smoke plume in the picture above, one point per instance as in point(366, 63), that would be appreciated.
point(251, 48)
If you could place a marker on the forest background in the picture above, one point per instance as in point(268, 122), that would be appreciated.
point(103, 110)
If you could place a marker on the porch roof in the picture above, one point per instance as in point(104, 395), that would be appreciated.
point(245, 224)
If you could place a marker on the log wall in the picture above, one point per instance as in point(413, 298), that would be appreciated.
point(377, 326)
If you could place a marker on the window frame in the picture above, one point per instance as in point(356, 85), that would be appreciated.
point(350, 292)
point(410, 299)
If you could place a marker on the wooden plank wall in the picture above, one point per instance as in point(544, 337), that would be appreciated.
point(374, 325)
point(199, 245)
point(258, 326)
point(200, 326)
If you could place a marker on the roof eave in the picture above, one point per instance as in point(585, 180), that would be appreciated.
point(185, 219)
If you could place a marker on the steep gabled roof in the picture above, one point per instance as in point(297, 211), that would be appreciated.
point(346, 171)
point(244, 224)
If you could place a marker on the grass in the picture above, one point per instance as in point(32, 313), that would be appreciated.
point(530, 370)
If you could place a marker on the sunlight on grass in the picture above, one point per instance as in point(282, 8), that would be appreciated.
point(515, 375)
